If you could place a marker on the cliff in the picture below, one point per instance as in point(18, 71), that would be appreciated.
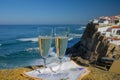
point(93, 45)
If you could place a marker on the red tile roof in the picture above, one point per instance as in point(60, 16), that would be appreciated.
point(115, 26)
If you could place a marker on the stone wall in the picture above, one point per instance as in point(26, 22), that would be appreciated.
point(93, 45)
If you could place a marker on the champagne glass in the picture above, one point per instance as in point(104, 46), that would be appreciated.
point(45, 40)
point(61, 40)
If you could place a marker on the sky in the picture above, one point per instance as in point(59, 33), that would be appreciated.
point(55, 11)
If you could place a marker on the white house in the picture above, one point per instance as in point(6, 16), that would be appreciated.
point(115, 31)
point(112, 33)
point(95, 21)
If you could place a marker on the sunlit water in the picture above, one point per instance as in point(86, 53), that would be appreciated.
point(19, 44)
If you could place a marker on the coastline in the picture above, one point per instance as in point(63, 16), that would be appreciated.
point(92, 47)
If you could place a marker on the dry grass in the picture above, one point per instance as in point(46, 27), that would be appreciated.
point(95, 74)
point(98, 74)
point(13, 74)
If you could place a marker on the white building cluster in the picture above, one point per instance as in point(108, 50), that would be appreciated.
point(107, 20)
point(110, 27)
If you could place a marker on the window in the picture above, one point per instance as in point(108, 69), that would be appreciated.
point(118, 32)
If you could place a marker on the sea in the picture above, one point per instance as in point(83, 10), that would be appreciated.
point(19, 44)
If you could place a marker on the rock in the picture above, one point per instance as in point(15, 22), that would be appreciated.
point(93, 45)
point(81, 60)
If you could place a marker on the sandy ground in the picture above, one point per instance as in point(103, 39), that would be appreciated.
point(95, 74)
point(99, 74)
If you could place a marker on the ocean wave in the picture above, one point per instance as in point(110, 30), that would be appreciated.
point(0, 44)
point(81, 28)
point(51, 51)
point(25, 58)
point(22, 54)
point(2, 56)
point(73, 35)
point(29, 52)
point(31, 49)
point(71, 38)
point(35, 39)
point(7, 44)
point(10, 43)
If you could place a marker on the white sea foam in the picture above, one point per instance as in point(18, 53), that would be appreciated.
point(52, 58)
point(35, 39)
point(51, 51)
point(81, 28)
point(78, 35)
point(31, 49)
point(75, 35)
point(71, 38)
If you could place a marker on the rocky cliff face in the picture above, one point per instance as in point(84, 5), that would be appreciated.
point(93, 45)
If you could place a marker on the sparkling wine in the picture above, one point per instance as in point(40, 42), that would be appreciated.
point(61, 45)
point(44, 45)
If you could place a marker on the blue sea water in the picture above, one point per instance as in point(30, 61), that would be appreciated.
point(19, 46)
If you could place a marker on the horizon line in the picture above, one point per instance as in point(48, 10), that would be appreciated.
point(42, 24)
